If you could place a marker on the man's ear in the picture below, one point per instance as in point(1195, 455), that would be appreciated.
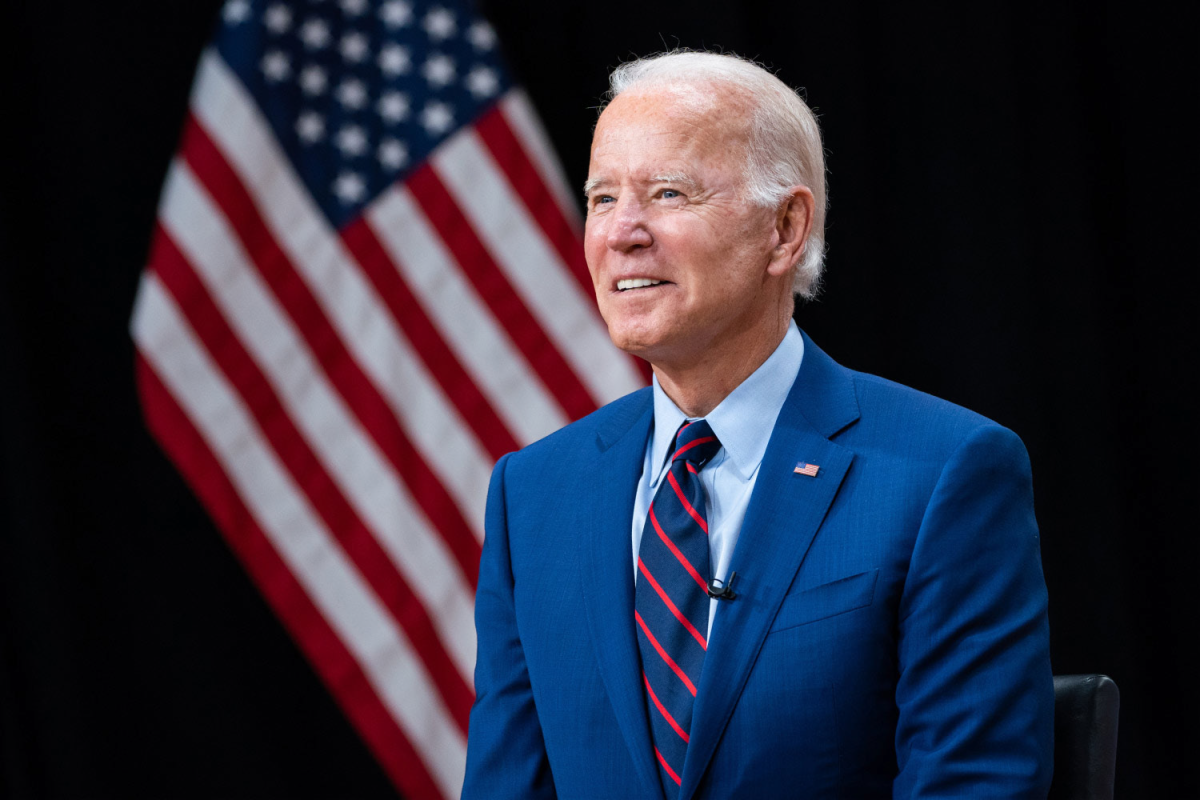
point(793, 222)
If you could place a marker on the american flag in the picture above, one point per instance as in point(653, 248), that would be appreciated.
point(365, 286)
point(810, 470)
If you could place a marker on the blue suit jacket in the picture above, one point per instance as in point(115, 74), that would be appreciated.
point(889, 634)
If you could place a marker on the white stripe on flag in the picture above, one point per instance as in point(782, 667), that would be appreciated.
point(524, 121)
point(532, 266)
point(363, 323)
point(464, 319)
point(348, 453)
point(387, 657)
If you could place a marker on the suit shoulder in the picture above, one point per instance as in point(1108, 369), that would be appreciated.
point(566, 441)
point(910, 415)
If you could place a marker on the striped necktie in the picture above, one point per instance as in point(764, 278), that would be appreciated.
point(671, 599)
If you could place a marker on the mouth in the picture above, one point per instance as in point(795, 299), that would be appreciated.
point(631, 284)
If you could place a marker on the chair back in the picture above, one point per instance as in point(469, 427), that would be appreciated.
point(1085, 737)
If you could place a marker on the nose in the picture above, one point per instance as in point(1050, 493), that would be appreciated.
point(628, 226)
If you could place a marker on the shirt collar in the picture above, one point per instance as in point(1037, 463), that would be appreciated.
point(743, 421)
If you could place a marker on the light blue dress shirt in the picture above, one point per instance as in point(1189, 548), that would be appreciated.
point(743, 421)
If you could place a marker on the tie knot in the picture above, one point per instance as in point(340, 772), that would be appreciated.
point(696, 443)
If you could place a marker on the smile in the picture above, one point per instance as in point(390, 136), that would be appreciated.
point(636, 283)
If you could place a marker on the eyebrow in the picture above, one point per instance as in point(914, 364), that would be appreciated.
point(672, 177)
point(675, 177)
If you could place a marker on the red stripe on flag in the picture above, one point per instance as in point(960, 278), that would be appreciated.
point(643, 572)
point(191, 454)
point(512, 158)
point(663, 710)
point(480, 268)
point(670, 662)
point(344, 372)
point(309, 474)
point(437, 356)
point(675, 551)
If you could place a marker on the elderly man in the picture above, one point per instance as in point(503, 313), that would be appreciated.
point(766, 575)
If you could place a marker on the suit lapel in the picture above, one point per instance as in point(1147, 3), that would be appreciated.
point(785, 511)
point(607, 514)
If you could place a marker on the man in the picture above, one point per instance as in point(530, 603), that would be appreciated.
point(885, 633)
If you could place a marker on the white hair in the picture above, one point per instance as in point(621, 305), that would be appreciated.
point(785, 142)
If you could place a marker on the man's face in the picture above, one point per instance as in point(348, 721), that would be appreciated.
point(666, 204)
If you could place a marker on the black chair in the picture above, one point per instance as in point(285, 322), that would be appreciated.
point(1085, 737)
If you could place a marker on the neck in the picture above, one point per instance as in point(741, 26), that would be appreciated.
point(698, 387)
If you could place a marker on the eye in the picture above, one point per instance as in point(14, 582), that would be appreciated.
point(670, 194)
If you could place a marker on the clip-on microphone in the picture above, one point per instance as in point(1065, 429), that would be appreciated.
point(722, 591)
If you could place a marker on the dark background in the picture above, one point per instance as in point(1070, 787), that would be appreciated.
point(1011, 227)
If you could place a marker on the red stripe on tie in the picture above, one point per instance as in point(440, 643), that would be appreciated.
point(675, 551)
point(692, 468)
point(662, 710)
point(667, 767)
point(674, 609)
point(665, 657)
point(692, 444)
point(686, 505)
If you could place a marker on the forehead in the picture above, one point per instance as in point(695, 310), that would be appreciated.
point(659, 126)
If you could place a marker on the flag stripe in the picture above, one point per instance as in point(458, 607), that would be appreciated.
point(523, 119)
point(532, 267)
point(508, 154)
point(507, 305)
point(279, 508)
point(441, 362)
point(428, 417)
point(329, 656)
point(272, 419)
point(464, 317)
point(351, 457)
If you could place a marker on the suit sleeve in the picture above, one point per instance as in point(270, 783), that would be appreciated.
point(506, 754)
point(975, 691)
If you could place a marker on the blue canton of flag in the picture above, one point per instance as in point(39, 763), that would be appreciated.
point(357, 93)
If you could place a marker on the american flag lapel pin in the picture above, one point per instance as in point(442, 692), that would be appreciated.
point(804, 468)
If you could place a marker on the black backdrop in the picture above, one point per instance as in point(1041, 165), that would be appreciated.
point(1011, 228)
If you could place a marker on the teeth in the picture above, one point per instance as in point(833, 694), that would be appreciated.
point(636, 283)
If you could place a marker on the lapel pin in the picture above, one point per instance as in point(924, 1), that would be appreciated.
point(807, 469)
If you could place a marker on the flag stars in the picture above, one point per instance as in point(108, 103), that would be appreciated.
point(482, 82)
point(310, 127)
point(396, 13)
point(276, 66)
point(394, 60)
point(315, 34)
point(349, 187)
point(438, 70)
point(481, 36)
point(351, 140)
point(353, 8)
point(313, 80)
point(439, 24)
point(436, 118)
point(236, 11)
point(392, 154)
point(393, 106)
point(352, 94)
point(354, 47)
point(278, 18)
